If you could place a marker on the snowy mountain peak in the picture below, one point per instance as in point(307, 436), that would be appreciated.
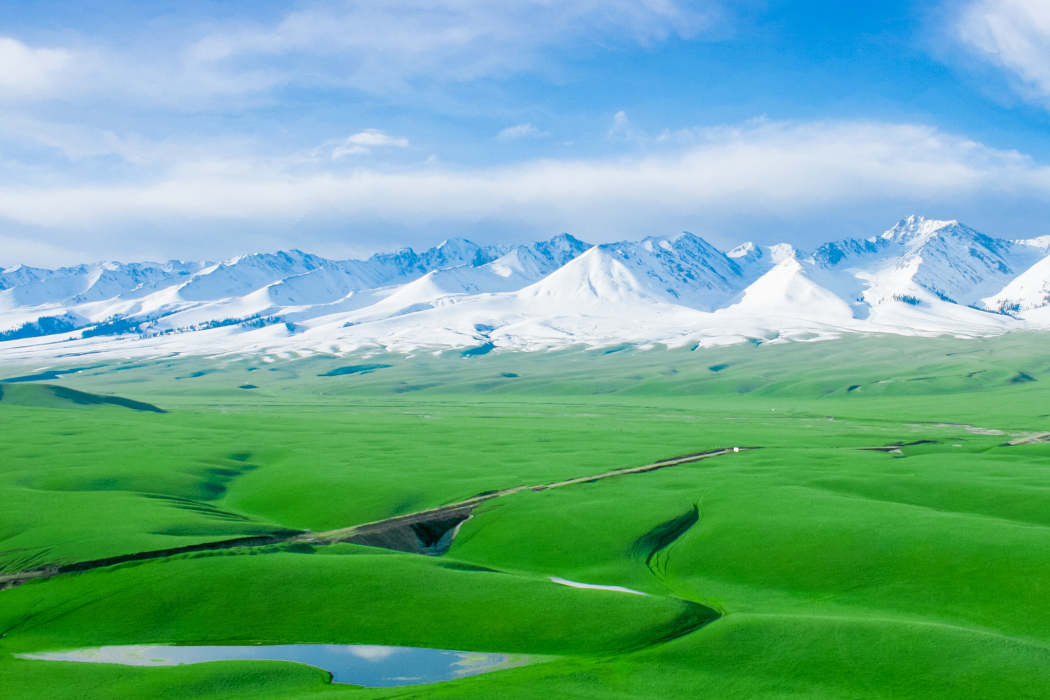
point(831, 254)
point(565, 239)
point(744, 250)
point(451, 253)
point(1042, 242)
point(281, 260)
point(918, 277)
point(915, 227)
point(685, 269)
point(653, 245)
point(1030, 290)
point(550, 255)
point(781, 252)
point(787, 291)
point(599, 276)
point(562, 247)
point(922, 258)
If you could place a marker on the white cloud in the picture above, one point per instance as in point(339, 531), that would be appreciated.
point(381, 45)
point(76, 142)
point(343, 151)
point(520, 131)
point(164, 75)
point(623, 129)
point(1013, 34)
point(788, 169)
point(374, 137)
point(620, 124)
point(363, 140)
point(29, 72)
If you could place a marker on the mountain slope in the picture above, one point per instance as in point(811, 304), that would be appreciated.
point(927, 260)
point(919, 277)
point(1029, 290)
point(788, 292)
point(684, 270)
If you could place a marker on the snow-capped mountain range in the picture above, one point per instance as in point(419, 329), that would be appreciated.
point(921, 277)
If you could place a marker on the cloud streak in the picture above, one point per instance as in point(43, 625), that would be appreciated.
point(784, 168)
point(27, 72)
point(1014, 35)
point(364, 141)
point(374, 43)
point(513, 133)
point(377, 47)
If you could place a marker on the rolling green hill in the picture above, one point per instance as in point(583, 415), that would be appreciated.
point(887, 540)
point(51, 396)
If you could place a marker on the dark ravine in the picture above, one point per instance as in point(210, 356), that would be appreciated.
point(431, 531)
point(428, 532)
point(654, 548)
point(653, 544)
point(895, 448)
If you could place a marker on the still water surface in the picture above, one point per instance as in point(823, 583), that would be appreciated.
point(371, 666)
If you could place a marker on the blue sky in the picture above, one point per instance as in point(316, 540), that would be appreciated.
point(132, 130)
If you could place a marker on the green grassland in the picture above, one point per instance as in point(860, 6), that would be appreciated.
point(838, 571)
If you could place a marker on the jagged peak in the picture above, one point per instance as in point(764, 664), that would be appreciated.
point(566, 238)
point(834, 252)
point(672, 238)
point(782, 251)
point(455, 244)
point(646, 289)
point(398, 255)
point(561, 245)
point(1039, 242)
point(745, 250)
point(293, 255)
point(915, 226)
point(690, 237)
point(684, 242)
point(651, 243)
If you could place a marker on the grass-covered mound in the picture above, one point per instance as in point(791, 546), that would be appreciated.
point(914, 570)
point(53, 396)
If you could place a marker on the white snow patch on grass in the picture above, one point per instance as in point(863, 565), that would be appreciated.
point(594, 586)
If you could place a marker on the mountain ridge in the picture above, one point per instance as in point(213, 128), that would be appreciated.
point(921, 276)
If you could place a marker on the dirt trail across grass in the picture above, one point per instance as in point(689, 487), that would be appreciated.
point(428, 532)
point(431, 531)
point(1030, 439)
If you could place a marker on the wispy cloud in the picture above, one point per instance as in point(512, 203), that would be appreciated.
point(784, 168)
point(30, 72)
point(620, 124)
point(512, 133)
point(378, 47)
point(623, 129)
point(377, 42)
point(364, 141)
point(1014, 35)
point(374, 137)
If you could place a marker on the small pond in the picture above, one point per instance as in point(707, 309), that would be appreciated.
point(371, 666)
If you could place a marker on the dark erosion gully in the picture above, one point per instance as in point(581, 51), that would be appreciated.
point(428, 532)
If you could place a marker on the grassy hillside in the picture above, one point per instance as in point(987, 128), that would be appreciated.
point(915, 569)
